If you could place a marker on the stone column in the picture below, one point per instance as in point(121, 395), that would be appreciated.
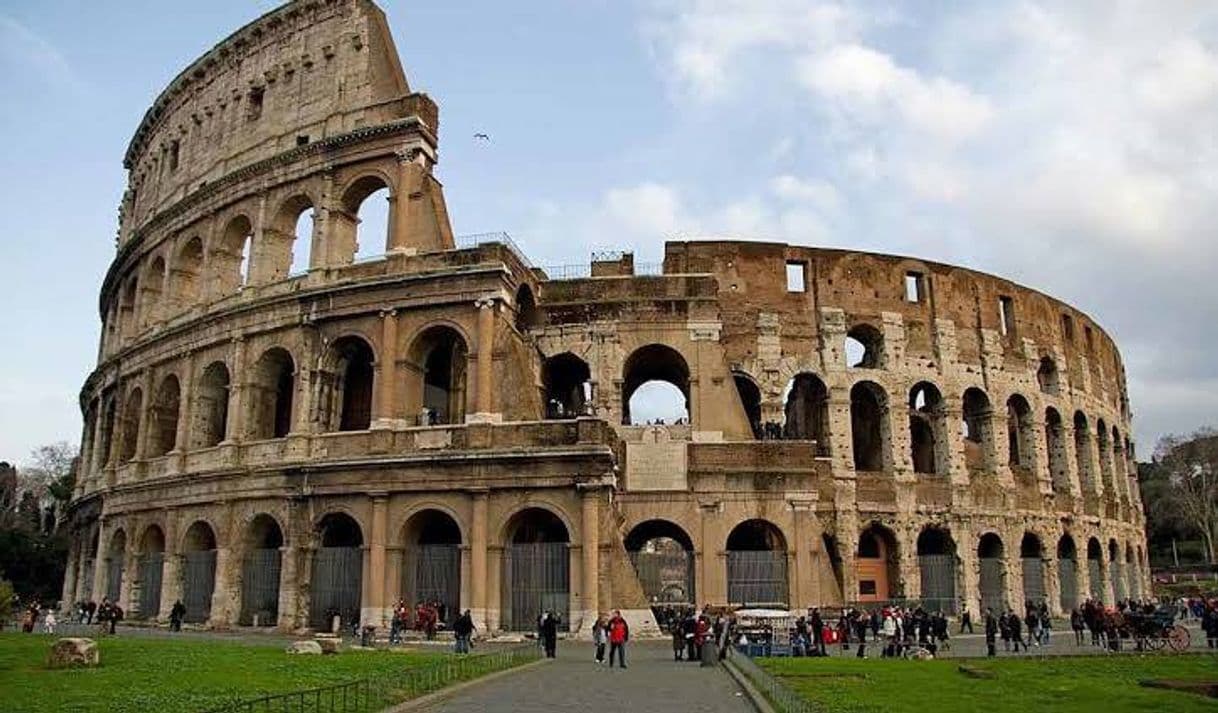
point(1053, 586)
point(494, 574)
point(288, 594)
point(590, 525)
point(223, 611)
point(171, 569)
point(477, 558)
point(485, 401)
point(237, 389)
point(374, 612)
point(127, 592)
point(99, 563)
point(68, 596)
point(141, 431)
point(714, 560)
point(801, 573)
point(385, 412)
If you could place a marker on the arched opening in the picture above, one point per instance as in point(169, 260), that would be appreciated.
point(663, 557)
point(1082, 452)
point(993, 572)
point(151, 563)
point(271, 391)
point(115, 558)
point(338, 571)
point(864, 347)
point(90, 563)
point(163, 428)
point(261, 564)
point(186, 282)
point(131, 425)
point(927, 426)
point(198, 572)
point(1021, 435)
point(347, 383)
point(1119, 479)
point(937, 568)
point(211, 409)
point(441, 357)
point(1067, 572)
point(1095, 569)
point(1116, 571)
point(126, 310)
point(756, 565)
point(527, 315)
point(154, 283)
point(1046, 376)
point(655, 386)
point(431, 562)
point(536, 570)
point(876, 564)
point(1032, 562)
point(868, 427)
point(1055, 447)
point(978, 430)
point(109, 422)
point(567, 380)
point(750, 401)
point(289, 244)
point(230, 258)
point(366, 212)
point(1104, 449)
point(807, 410)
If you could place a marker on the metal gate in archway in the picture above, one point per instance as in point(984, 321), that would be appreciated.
point(114, 578)
point(993, 584)
point(151, 567)
point(537, 577)
point(1033, 580)
point(86, 589)
point(1095, 579)
point(666, 577)
point(757, 577)
point(260, 586)
point(198, 584)
point(1067, 577)
point(432, 573)
point(938, 575)
point(1117, 569)
point(338, 574)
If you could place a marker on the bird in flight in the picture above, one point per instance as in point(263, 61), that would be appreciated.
point(483, 137)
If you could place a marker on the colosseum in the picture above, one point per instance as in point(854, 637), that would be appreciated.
point(295, 416)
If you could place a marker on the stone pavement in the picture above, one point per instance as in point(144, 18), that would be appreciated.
point(652, 682)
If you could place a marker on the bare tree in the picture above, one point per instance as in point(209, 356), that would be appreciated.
point(1190, 497)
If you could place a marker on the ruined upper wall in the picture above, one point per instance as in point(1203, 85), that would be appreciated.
point(303, 72)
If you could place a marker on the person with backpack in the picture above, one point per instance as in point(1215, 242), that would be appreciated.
point(619, 634)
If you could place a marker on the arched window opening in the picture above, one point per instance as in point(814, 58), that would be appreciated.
point(864, 347)
point(154, 283)
point(536, 570)
point(1020, 434)
point(1055, 446)
point(186, 282)
point(527, 315)
point(288, 245)
point(937, 568)
point(1047, 376)
point(126, 309)
point(1119, 479)
point(568, 384)
point(807, 411)
point(442, 357)
point(1105, 456)
point(260, 570)
point(877, 567)
point(993, 585)
point(655, 386)
point(271, 392)
point(978, 430)
point(1067, 572)
point(198, 572)
point(163, 429)
point(211, 412)
point(750, 401)
point(150, 565)
point(868, 427)
point(431, 562)
point(366, 212)
point(1132, 575)
point(663, 557)
point(927, 423)
point(1082, 452)
point(337, 578)
point(347, 385)
point(231, 256)
point(131, 425)
point(756, 565)
point(1032, 562)
point(109, 423)
point(1095, 568)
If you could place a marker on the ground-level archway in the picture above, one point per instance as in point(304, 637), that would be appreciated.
point(663, 557)
point(338, 572)
point(1032, 560)
point(431, 562)
point(1067, 572)
point(536, 569)
point(150, 563)
point(260, 568)
point(876, 565)
point(937, 568)
point(1095, 569)
point(993, 575)
point(115, 557)
point(198, 572)
point(757, 565)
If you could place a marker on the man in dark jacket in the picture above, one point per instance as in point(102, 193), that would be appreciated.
point(991, 633)
point(818, 633)
point(176, 614)
point(549, 633)
point(463, 629)
point(619, 634)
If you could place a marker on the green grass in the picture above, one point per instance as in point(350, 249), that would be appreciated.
point(1083, 684)
point(188, 674)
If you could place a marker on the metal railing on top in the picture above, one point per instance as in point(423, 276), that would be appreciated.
point(476, 239)
point(776, 692)
point(373, 694)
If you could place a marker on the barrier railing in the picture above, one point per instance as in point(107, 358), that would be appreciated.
point(776, 692)
point(372, 694)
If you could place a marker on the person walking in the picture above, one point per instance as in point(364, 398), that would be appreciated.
point(1033, 620)
point(817, 625)
point(1016, 625)
point(176, 614)
point(49, 621)
point(1004, 630)
point(676, 628)
point(966, 620)
point(991, 634)
point(549, 634)
point(463, 631)
point(1077, 625)
point(619, 634)
point(860, 629)
point(600, 636)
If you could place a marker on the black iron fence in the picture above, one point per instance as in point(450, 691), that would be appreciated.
point(373, 694)
point(775, 691)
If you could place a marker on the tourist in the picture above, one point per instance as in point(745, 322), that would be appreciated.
point(677, 631)
point(1209, 624)
point(91, 608)
point(599, 637)
point(966, 620)
point(860, 627)
point(463, 632)
point(1046, 623)
point(1004, 630)
point(49, 621)
point(1016, 625)
point(549, 634)
point(1033, 620)
point(991, 633)
point(701, 635)
point(818, 633)
point(619, 634)
point(1077, 625)
point(939, 628)
point(176, 615)
point(688, 628)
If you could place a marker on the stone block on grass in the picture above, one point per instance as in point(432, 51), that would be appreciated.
point(70, 652)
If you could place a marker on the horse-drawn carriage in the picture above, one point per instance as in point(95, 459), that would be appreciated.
point(1153, 630)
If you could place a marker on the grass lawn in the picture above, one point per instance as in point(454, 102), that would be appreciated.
point(1092, 683)
point(146, 675)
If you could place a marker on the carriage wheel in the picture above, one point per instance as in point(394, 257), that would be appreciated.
point(1179, 638)
point(1156, 643)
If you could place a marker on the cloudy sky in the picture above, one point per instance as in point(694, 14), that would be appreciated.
point(1068, 146)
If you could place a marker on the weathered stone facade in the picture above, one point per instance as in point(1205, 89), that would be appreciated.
point(447, 421)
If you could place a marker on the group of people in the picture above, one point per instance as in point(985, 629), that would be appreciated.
point(426, 616)
point(616, 633)
point(899, 630)
point(1035, 624)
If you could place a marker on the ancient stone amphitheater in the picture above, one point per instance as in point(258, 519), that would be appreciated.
point(295, 414)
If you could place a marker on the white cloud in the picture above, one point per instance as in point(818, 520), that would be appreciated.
point(815, 192)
